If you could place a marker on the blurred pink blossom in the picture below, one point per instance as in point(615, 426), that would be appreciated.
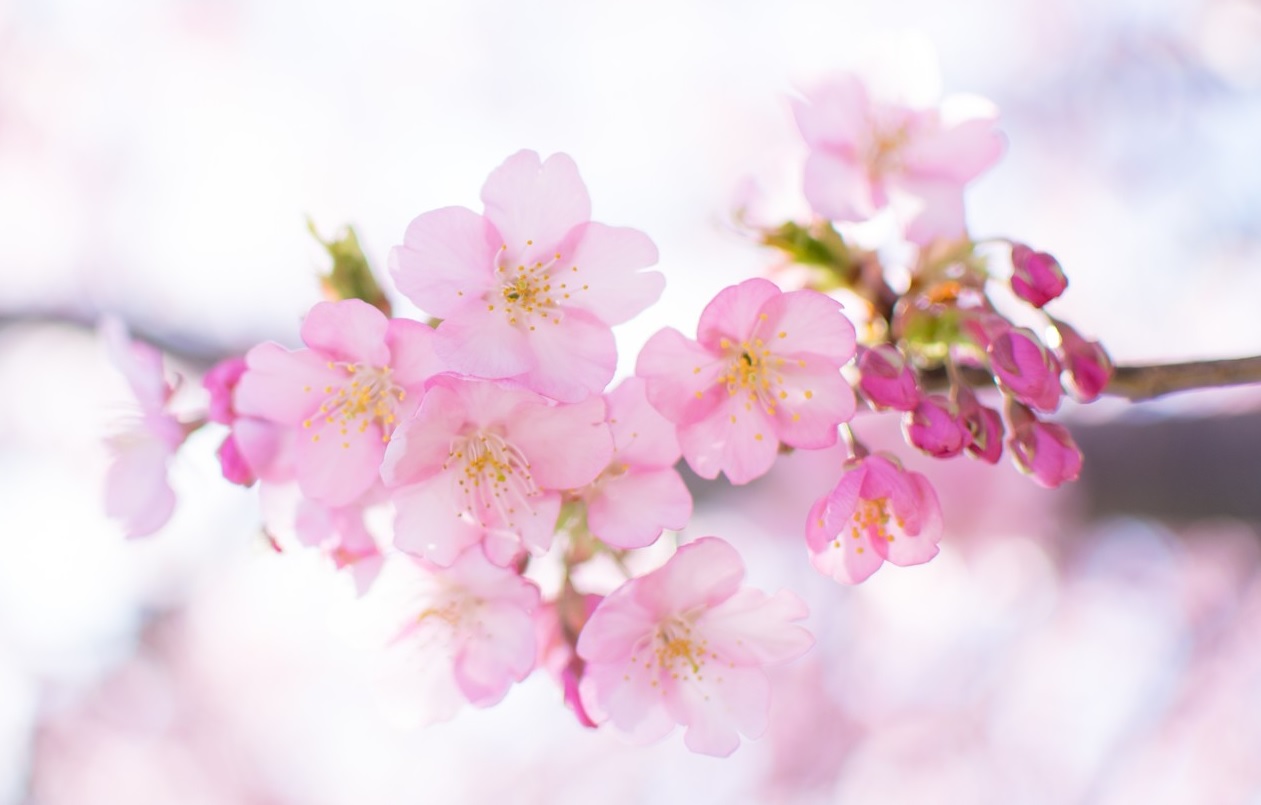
point(1026, 368)
point(1044, 450)
point(1036, 277)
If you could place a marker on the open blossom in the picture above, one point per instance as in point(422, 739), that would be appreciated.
point(1044, 450)
point(640, 493)
point(360, 375)
point(1026, 368)
point(137, 491)
point(529, 289)
point(867, 154)
point(483, 459)
point(461, 632)
point(686, 644)
point(764, 370)
point(878, 511)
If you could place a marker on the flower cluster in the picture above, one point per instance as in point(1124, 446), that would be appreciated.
point(439, 461)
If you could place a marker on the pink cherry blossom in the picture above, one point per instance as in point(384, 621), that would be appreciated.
point(1087, 365)
point(878, 511)
point(483, 460)
point(686, 644)
point(1036, 277)
point(640, 493)
point(887, 380)
point(764, 370)
point(867, 154)
point(1026, 368)
point(1044, 450)
point(529, 289)
point(360, 375)
point(137, 491)
point(934, 427)
point(460, 632)
point(984, 426)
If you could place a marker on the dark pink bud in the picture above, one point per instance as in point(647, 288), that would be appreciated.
point(984, 426)
point(887, 380)
point(220, 381)
point(1026, 368)
point(934, 427)
point(983, 326)
point(1089, 367)
point(235, 468)
point(1036, 277)
point(1043, 450)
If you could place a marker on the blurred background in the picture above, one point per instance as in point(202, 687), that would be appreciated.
point(1098, 644)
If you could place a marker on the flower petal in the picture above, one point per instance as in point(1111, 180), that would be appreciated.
point(427, 522)
point(567, 445)
point(631, 510)
point(806, 322)
point(479, 340)
point(527, 199)
point(574, 357)
point(735, 439)
point(350, 330)
point(733, 313)
point(446, 260)
point(681, 376)
point(608, 282)
point(278, 384)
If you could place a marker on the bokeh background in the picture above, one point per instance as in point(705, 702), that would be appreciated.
point(1099, 644)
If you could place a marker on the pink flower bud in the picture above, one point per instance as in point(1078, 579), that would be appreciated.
point(984, 426)
point(934, 427)
point(1026, 368)
point(235, 468)
point(887, 380)
point(1088, 365)
point(1036, 277)
point(983, 326)
point(1044, 450)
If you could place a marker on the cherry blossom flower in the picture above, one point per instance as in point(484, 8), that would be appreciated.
point(1026, 368)
point(1044, 450)
point(360, 375)
point(460, 632)
point(886, 379)
point(1036, 277)
point(877, 512)
point(934, 427)
point(764, 370)
point(868, 154)
point(137, 491)
point(481, 458)
point(530, 289)
point(686, 644)
point(640, 493)
point(1087, 365)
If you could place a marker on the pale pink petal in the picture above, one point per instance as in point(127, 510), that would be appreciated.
point(616, 628)
point(806, 322)
point(733, 314)
point(282, 386)
point(834, 113)
point(575, 357)
point(957, 153)
point(838, 188)
point(136, 488)
point(681, 376)
point(446, 260)
point(350, 330)
point(567, 445)
point(335, 468)
point(929, 209)
point(233, 465)
point(917, 548)
point(427, 522)
point(721, 707)
point(702, 573)
point(608, 282)
point(534, 527)
point(481, 342)
point(629, 699)
point(815, 399)
point(641, 435)
point(219, 383)
point(753, 628)
point(412, 356)
point(528, 199)
point(266, 447)
point(140, 363)
point(734, 439)
point(846, 564)
point(631, 510)
point(501, 652)
point(832, 513)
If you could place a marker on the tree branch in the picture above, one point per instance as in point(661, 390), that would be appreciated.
point(1138, 383)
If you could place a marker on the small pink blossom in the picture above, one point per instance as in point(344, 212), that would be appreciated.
point(1036, 277)
point(483, 460)
point(878, 511)
point(529, 289)
point(887, 379)
point(984, 426)
point(686, 644)
point(1026, 368)
point(360, 375)
point(935, 427)
point(867, 155)
point(640, 493)
point(1044, 450)
point(461, 632)
point(764, 370)
point(137, 491)
point(1087, 365)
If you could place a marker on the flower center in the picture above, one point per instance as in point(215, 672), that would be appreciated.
point(884, 151)
point(872, 518)
point(677, 651)
point(755, 372)
point(492, 479)
point(368, 396)
point(532, 291)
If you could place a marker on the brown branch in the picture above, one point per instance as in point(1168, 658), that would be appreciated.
point(1138, 383)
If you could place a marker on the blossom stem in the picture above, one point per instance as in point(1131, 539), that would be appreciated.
point(1138, 383)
